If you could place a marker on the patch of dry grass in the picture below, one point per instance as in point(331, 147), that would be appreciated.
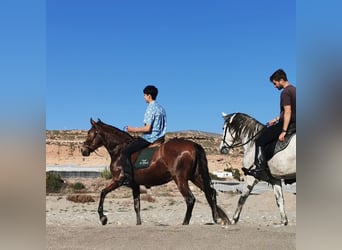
point(80, 198)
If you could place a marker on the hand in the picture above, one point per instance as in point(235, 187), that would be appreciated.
point(130, 129)
point(282, 136)
point(272, 122)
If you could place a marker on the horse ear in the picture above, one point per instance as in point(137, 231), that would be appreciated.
point(92, 122)
point(224, 114)
point(99, 120)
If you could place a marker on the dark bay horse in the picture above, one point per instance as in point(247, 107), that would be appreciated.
point(177, 159)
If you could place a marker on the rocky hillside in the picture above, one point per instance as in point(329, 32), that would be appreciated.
point(63, 148)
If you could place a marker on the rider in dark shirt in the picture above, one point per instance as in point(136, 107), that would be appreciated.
point(277, 128)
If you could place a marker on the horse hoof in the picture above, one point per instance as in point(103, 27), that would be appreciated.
point(104, 220)
point(223, 222)
point(227, 221)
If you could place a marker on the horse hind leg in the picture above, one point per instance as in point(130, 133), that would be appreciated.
point(217, 211)
point(189, 200)
point(278, 192)
point(202, 180)
point(210, 195)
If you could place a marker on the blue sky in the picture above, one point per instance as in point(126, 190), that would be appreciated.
point(205, 57)
point(56, 61)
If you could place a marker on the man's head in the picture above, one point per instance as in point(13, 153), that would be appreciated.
point(279, 78)
point(152, 91)
point(278, 75)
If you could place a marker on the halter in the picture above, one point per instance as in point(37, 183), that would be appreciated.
point(92, 149)
point(90, 145)
point(239, 144)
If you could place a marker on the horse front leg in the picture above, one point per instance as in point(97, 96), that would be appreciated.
point(278, 192)
point(249, 185)
point(136, 198)
point(113, 185)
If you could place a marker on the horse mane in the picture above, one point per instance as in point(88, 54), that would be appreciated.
point(243, 124)
point(114, 135)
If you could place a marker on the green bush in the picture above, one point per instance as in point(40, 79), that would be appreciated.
point(106, 174)
point(235, 172)
point(215, 177)
point(78, 186)
point(54, 183)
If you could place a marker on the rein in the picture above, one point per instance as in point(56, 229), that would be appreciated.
point(97, 153)
point(92, 149)
point(240, 144)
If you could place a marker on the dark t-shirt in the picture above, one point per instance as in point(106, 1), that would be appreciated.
point(288, 97)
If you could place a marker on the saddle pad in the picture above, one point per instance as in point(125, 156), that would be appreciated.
point(277, 146)
point(144, 158)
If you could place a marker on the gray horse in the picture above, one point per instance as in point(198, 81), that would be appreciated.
point(241, 130)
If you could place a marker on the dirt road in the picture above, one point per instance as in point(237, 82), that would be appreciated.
point(240, 236)
point(72, 225)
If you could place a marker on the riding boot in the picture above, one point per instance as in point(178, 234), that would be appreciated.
point(127, 179)
point(260, 166)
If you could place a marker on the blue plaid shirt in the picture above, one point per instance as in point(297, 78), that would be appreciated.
point(155, 116)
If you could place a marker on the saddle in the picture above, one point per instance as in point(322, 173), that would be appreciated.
point(277, 146)
point(144, 158)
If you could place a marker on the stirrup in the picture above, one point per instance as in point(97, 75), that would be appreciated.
point(126, 181)
point(259, 174)
point(247, 171)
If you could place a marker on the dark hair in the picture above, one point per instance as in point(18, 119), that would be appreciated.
point(151, 90)
point(278, 75)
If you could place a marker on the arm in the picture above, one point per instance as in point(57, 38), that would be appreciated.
point(273, 121)
point(143, 129)
point(287, 117)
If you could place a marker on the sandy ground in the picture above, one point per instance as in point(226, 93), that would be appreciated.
point(71, 225)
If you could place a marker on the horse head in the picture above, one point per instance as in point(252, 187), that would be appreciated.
point(101, 134)
point(94, 139)
point(238, 130)
point(228, 136)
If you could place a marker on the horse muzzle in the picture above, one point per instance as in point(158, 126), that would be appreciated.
point(224, 150)
point(85, 151)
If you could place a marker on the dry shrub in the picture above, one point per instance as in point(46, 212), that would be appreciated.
point(78, 187)
point(54, 182)
point(80, 198)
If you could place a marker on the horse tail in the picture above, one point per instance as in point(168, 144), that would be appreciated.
point(210, 193)
point(202, 169)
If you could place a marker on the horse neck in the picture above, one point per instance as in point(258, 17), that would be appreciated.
point(113, 137)
point(250, 133)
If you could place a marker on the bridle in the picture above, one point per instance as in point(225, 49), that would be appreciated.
point(239, 144)
point(92, 145)
point(89, 146)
